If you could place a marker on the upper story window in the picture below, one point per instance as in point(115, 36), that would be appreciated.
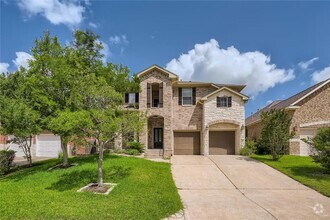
point(131, 98)
point(224, 101)
point(187, 96)
point(155, 95)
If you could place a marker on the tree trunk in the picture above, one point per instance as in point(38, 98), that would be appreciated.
point(99, 171)
point(29, 157)
point(64, 146)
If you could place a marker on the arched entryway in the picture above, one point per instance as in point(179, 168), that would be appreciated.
point(155, 132)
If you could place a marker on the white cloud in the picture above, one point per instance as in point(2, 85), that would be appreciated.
point(4, 67)
point(93, 25)
point(119, 39)
point(105, 51)
point(208, 62)
point(22, 59)
point(304, 65)
point(57, 12)
point(322, 75)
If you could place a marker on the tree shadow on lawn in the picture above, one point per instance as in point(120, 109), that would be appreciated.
point(77, 179)
point(263, 159)
point(315, 173)
point(21, 172)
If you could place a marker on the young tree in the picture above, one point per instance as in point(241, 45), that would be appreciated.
point(276, 132)
point(17, 119)
point(106, 118)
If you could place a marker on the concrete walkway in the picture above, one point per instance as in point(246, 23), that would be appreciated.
point(236, 187)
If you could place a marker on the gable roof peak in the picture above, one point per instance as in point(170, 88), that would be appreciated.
point(159, 68)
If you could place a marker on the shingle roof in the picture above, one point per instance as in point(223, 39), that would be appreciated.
point(256, 116)
point(278, 104)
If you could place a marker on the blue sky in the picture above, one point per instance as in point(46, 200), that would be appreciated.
point(276, 48)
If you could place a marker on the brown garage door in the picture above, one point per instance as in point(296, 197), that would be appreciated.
point(186, 143)
point(222, 142)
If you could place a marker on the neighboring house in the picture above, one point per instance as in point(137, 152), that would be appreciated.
point(186, 118)
point(310, 110)
point(43, 145)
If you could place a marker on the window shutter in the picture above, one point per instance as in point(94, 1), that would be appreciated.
point(137, 97)
point(194, 96)
point(229, 101)
point(180, 96)
point(126, 98)
point(148, 94)
point(218, 101)
point(161, 94)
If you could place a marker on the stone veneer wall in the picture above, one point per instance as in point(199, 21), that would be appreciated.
point(165, 111)
point(232, 115)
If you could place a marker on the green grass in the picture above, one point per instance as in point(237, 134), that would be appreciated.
point(145, 190)
point(302, 169)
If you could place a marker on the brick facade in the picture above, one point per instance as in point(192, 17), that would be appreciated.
point(165, 112)
point(312, 112)
point(174, 117)
point(314, 108)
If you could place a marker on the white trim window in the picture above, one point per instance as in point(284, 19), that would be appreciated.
point(131, 98)
point(187, 96)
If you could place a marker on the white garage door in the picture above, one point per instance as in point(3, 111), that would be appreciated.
point(18, 151)
point(48, 145)
point(305, 133)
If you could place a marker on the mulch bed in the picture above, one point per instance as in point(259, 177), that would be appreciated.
point(98, 189)
point(104, 189)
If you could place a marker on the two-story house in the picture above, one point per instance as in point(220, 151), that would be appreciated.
point(186, 118)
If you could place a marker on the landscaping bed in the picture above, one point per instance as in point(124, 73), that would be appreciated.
point(302, 169)
point(144, 190)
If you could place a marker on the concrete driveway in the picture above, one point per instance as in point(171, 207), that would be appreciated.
point(236, 187)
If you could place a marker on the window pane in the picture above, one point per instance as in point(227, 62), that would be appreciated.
point(131, 98)
point(187, 96)
point(223, 102)
point(186, 100)
point(187, 92)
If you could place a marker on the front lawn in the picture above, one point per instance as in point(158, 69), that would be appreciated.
point(145, 190)
point(302, 169)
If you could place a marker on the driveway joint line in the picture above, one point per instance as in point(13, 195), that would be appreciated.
point(241, 191)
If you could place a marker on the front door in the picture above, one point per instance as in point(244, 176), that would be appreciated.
point(158, 138)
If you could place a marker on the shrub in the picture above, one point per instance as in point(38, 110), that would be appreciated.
point(262, 147)
point(6, 160)
point(136, 146)
point(321, 144)
point(249, 148)
point(132, 152)
point(275, 132)
point(60, 155)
